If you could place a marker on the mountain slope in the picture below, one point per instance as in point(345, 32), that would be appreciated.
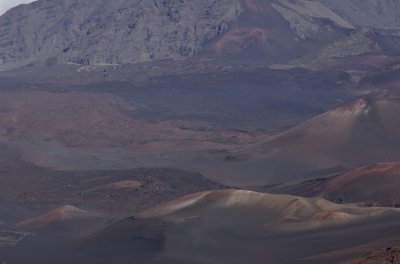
point(233, 226)
point(112, 32)
point(374, 185)
point(132, 31)
point(367, 13)
point(377, 185)
point(360, 133)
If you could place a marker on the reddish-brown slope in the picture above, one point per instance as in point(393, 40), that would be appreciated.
point(57, 216)
point(365, 131)
point(275, 31)
point(234, 226)
point(377, 184)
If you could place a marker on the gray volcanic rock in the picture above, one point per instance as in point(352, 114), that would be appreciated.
point(110, 32)
point(367, 13)
point(93, 32)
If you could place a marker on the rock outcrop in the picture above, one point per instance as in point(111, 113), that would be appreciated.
point(49, 32)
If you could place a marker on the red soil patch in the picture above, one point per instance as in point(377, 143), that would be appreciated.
point(57, 215)
point(324, 216)
point(238, 39)
point(126, 185)
point(382, 170)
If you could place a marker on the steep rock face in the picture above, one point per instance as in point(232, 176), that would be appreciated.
point(132, 31)
point(367, 13)
point(110, 32)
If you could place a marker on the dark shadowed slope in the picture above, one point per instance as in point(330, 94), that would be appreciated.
point(27, 190)
point(387, 255)
point(386, 78)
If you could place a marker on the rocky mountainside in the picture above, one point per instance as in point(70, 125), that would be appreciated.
point(113, 32)
point(131, 31)
point(383, 14)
